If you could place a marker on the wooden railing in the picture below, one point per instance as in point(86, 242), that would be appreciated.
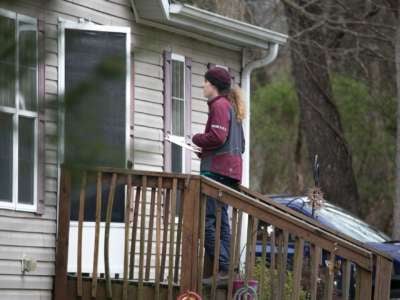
point(173, 206)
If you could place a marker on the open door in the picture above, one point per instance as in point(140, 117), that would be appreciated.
point(95, 69)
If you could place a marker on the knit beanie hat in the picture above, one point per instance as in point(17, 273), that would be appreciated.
point(219, 77)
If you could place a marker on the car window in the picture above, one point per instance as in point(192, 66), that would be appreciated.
point(344, 222)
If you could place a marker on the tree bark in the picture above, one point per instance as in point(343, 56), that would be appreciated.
point(319, 116)
point(396, 205)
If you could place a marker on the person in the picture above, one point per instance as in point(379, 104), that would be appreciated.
point(222, 145)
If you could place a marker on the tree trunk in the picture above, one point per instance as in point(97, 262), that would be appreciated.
point(396, 206)
point(319, 116)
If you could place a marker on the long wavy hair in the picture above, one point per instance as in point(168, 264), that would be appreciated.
point(235, 96)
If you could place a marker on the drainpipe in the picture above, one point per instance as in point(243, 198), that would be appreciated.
point(245, 81)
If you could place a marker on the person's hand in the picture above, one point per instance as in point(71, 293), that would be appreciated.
point(188, 140)
point(199, 154)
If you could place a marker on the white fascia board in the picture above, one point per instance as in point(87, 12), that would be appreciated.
point(215, 33)
point(209, 21)
point(207, 26)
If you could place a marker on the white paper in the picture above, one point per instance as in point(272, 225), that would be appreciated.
point(180, 141)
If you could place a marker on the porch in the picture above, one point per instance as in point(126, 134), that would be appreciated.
point(163, 252)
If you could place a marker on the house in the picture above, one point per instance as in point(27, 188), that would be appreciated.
point(133, 70)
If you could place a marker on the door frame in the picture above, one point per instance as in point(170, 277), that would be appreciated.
point(66, 24)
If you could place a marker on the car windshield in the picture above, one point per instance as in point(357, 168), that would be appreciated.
point(344, 222)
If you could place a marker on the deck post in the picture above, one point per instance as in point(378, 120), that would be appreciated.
point(191, 204)
point(60, 283)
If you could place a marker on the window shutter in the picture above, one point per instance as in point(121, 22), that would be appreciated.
point(131, 143)
point(167, 108)
point(41, 120)
point(188, 112)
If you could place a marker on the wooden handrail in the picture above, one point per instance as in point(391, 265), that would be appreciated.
point(326, 238)
point(266, 199)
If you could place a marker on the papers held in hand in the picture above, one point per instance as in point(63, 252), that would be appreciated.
point(180, 141)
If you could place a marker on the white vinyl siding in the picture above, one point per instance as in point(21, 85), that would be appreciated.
point(23, 233)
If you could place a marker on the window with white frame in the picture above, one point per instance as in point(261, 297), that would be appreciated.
point(178, 111)
point(18, 111)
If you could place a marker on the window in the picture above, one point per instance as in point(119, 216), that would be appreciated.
point(178, 112)
point(18, 111)
point(96, 137)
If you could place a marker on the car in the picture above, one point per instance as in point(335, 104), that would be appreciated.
point(344, 222)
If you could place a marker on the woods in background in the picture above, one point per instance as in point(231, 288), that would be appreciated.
point(333, 93)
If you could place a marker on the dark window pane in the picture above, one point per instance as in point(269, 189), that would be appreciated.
point(7, 61)
point(176, 161)
point(178, 117)
point(95, 107)
point(6, 157)
point(177, 79)
point(26, 160)
point(118, 209)
point(27, 66)
point(95, 99)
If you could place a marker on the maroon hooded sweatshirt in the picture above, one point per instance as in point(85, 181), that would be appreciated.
point(223, 141)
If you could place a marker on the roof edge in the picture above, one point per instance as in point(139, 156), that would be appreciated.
point(204, 25)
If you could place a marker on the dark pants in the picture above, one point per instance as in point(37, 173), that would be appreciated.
point(210, 224)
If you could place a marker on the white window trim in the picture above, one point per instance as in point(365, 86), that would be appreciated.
point(16, 113)
point(181, 58)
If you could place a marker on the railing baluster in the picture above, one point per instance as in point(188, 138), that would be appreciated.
point(297, 268)
point(272, 270)
point(172, 239)
point(315, 262)
point(142, 236)
point(330, 277)
point(202, 221)
point(150, 234)
point(282, 262)
point(167, 199)
point(134, 232)
point(346, 277)
point(96, 234)
point(217, 243)
point(80, 228)
point(158, 237)
point(128, 210)
point(178, 245)
point(232, 253)
point(364, 284)
point(107, 236)
point(248, 249)
point(263, 261)
point(238, 239)
point(253, 246)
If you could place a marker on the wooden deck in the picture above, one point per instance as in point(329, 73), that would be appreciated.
point(174, 235)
